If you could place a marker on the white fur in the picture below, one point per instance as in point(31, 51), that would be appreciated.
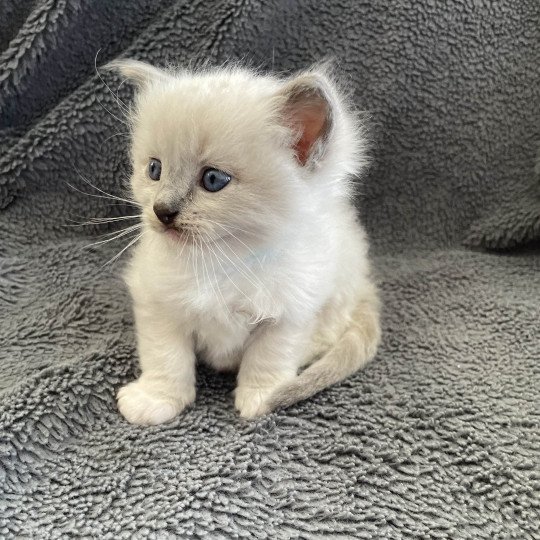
point(278, 282)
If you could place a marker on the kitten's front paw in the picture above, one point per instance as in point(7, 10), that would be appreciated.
point(148, 403)
point(251, 401)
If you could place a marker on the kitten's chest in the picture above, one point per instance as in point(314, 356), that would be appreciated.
point(222, 318)
point(203, 292)
point(215, 300)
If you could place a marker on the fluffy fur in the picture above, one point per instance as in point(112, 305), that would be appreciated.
point(268, 275)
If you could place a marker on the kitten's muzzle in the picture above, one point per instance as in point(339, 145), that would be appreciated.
point(165, 213)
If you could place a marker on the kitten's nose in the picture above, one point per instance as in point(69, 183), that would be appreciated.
point(165, 213)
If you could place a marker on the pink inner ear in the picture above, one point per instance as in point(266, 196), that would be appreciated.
point(310, 121)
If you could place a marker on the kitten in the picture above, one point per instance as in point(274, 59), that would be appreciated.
point(252, 257)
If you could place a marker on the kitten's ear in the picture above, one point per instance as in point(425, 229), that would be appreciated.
point(138, 73)
point(308, 111)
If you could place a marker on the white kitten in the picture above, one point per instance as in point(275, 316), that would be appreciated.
point(252, 257)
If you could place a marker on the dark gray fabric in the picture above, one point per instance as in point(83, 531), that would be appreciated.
point(513, 221)
point(438, 438)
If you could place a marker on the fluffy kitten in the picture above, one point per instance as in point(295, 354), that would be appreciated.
point(252, 257)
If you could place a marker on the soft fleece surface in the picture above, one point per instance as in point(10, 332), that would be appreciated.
point(437, 438)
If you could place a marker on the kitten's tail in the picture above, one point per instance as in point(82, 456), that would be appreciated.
point(352, 351)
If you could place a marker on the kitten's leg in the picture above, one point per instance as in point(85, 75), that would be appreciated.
point(167, 383)
point(271, 358)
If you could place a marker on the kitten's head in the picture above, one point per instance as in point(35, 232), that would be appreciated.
point(229, 152)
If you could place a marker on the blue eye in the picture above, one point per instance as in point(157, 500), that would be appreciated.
point(214, 179)
point(154, 169)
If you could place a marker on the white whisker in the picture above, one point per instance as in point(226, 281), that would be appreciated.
point(103, 192)
point(189, 256)
point(196, 269)
point(103, 196)
point(123, 135)
point(205, 268)
point(117, 234)
point(113, 115)
point(233, 283)
point(230, 227)
point(215, 277)
point(117, 256)
point(179, 255)
point(238, 239)
point(125, 229)
point(257, 283)
point(100, 220)
point(238, 270)
point(123, 107)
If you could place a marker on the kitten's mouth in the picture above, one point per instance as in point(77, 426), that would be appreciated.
point(176, 234)
point(173, 232)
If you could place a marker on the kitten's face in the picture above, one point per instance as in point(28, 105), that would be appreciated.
point(226, 167)
point(225, 152)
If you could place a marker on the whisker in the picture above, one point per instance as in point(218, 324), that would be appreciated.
point(179, 254)
point(233, 283)
point(238, 239)
point(103, 192)
point(230, 227)
point(215, 277)
point(257, 282)
point(133, 227)
point(123, 135)
point(119, 235)
point(196, 270)
point(260, 317)
point(113, 218)
point(117, 256)
point(112, 198)
point(100, 220)
point(110, 113)
point(204, 265)
point(123, 107)
point(239, 270)
point(189, 257)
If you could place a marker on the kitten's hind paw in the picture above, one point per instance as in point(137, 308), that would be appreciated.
point(147, 403)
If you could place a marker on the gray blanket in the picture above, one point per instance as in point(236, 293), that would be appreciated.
point(438, 438)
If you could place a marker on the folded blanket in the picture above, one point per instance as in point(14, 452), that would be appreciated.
point(513, 221)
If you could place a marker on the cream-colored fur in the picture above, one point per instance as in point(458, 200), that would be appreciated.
point(271, 272)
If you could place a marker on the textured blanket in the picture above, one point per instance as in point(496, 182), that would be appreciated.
point(438, 438)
